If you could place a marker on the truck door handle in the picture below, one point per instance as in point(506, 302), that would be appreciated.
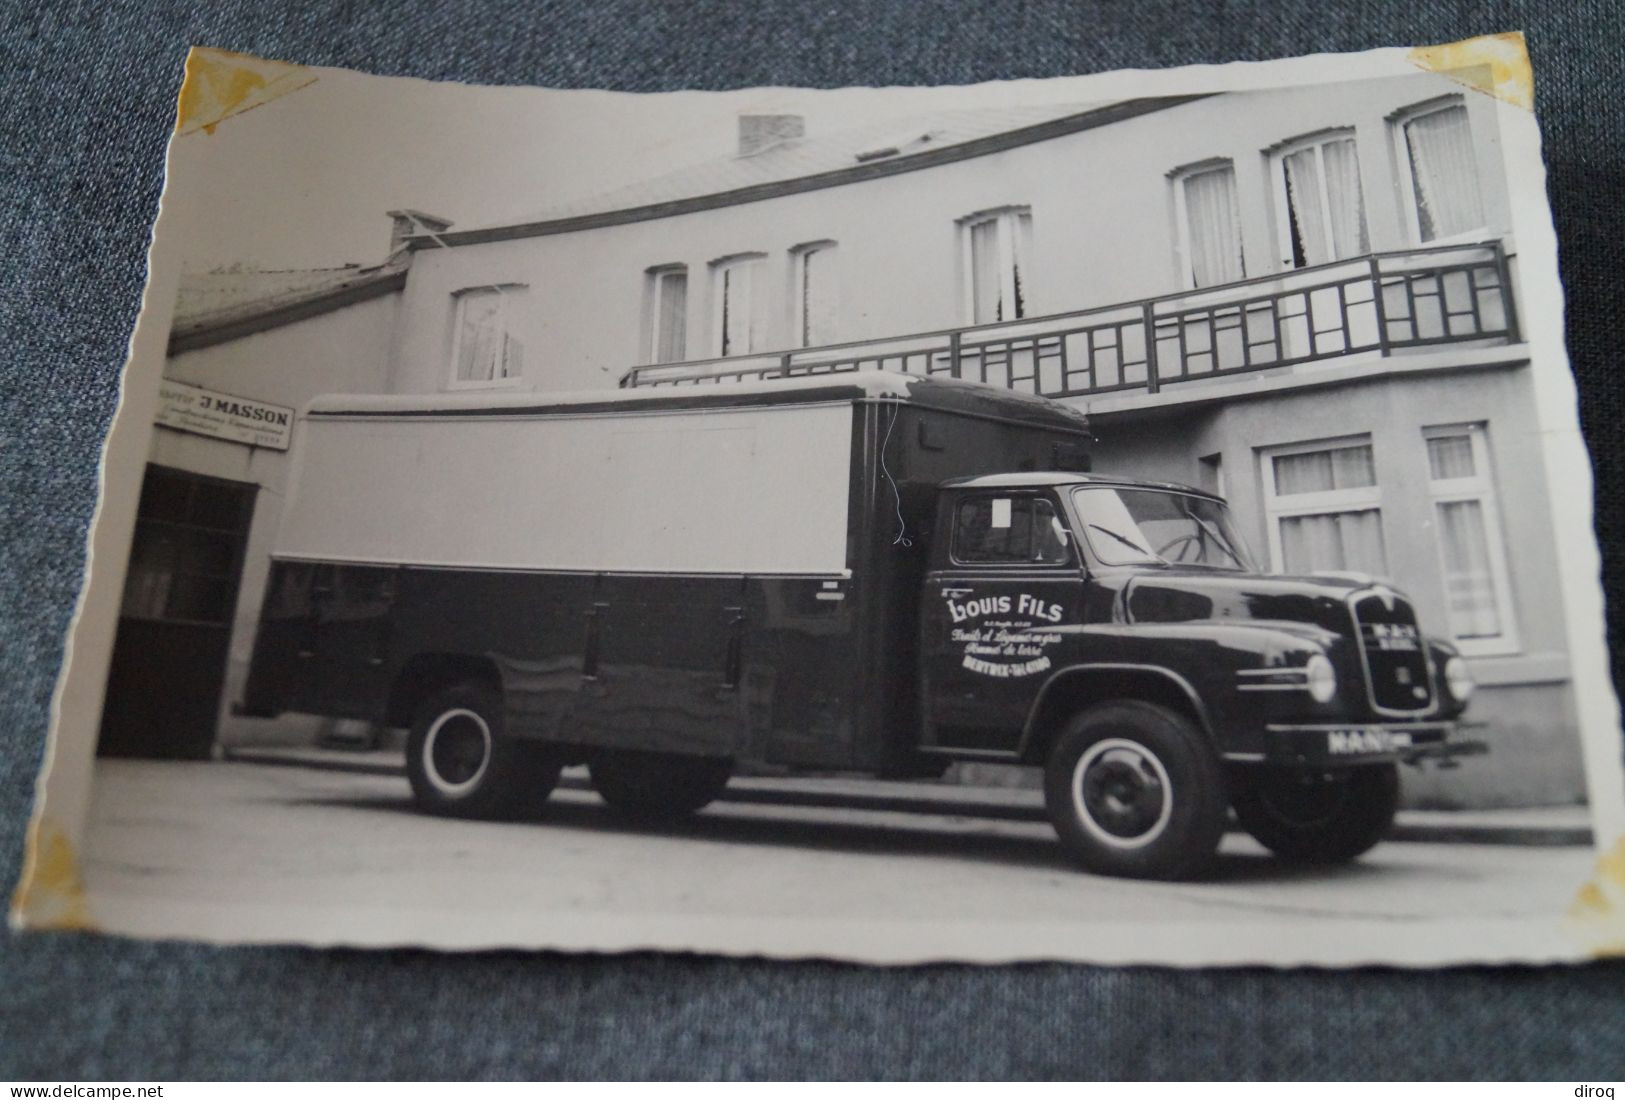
point(733, 653)
point(589, 649)
point(310, 628)
point(385, 630)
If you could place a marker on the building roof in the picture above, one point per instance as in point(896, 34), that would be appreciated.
point(811, 163)
point(214, 306)
point(810, 156)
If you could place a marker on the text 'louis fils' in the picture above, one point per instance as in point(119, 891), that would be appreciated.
point(1003, 605)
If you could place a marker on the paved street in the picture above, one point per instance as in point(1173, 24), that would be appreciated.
point(234, 850)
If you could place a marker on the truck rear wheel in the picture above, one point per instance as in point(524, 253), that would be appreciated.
point(1331, 818)
point(654, 785)
point(460, 763)
point(1133, 789)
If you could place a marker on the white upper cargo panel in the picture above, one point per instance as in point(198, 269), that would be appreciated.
point(757, 489)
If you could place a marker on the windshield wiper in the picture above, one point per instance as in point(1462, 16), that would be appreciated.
point(1218, 539)
point(1128, 542)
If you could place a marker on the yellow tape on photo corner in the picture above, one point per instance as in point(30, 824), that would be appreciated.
point(1598, 911)
point(1496, 64)
point(52, 892)
point(220, 84)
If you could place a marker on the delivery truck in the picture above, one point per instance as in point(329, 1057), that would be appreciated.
point(871, 573)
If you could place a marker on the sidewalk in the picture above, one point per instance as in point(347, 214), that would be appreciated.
point(1559, 826)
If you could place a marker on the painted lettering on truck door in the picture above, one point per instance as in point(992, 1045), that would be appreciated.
point(992, 612)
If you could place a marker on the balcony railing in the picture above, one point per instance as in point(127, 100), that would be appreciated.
point(1380, 303)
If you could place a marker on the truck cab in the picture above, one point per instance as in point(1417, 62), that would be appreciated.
point(1118, 634)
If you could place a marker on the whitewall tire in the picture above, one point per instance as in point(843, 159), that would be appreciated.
point(460, 763)
point(1134, 789)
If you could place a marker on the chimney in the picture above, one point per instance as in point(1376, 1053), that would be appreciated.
point(407, 223)
point(759, 132)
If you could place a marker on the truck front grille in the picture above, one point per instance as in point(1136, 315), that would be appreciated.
point(1397, 675)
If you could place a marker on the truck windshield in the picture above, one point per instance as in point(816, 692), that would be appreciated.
point(1156, 526)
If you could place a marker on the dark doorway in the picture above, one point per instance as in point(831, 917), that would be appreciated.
point(169, 657)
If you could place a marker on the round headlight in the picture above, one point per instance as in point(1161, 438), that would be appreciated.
point(1458, 679)
point(1321, 677)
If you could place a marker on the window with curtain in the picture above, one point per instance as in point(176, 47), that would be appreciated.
point(486, 351)
point(1477, 590)
point(735, 326)
point(1321, 207)
point(815, 293)
point(996, 246)
point(1209, 218)
point(1440, 172)
point(667, 305)
point(1325, 508)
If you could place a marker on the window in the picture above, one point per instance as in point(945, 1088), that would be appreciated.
point(1477, 593)
point(735, 328)
point(1208, 219)
point(187, 550)
point(1008, 531)
point(666, 307)
point(1438, 171)
point(1320, 205)
point(996, 245)
point(485, 349)
point(815, 293)
point(1324, 508)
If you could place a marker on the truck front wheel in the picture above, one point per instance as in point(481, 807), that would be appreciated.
point(460, 763)
point(1331, 818)
point(1133, 789)
point(655, 785)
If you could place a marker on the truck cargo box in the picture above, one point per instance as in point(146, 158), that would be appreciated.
point(724, 570)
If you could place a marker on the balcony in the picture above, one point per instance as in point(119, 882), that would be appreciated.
point(1378, 304)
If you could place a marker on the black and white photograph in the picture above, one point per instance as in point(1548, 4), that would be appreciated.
point(1136, 518)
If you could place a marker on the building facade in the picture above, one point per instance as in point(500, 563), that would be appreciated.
point(1305, 298)
point(247, 349)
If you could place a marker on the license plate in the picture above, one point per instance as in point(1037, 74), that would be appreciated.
point(1362, 742)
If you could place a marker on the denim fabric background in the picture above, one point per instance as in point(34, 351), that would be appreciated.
point(87, 100)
